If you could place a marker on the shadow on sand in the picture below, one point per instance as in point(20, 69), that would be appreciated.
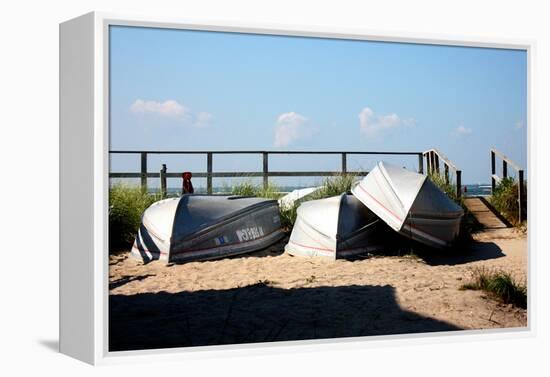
point(473, 252)
point(259, 313)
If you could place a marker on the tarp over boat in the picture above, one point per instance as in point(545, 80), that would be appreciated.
point(194, 227)
point(333, 227)
point(411, 204)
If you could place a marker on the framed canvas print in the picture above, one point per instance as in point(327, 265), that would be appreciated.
point(238, 186)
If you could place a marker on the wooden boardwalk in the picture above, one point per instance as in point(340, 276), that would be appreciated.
point(483, 213)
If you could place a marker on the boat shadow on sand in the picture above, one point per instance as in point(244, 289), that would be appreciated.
point(472, 251)
point(259, 313)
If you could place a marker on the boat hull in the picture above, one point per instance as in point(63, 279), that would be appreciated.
point(251, 228)
point(336, 227)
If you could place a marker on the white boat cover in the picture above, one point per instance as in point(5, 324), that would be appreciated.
point(195, 227)
point(292, 197)
point(411, 204)
point(333, 227)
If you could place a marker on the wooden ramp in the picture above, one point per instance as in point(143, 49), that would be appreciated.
point(483, 213)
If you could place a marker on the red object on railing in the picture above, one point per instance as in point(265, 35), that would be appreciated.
point(187, 187)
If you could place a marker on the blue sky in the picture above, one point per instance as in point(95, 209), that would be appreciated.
point(173, 89)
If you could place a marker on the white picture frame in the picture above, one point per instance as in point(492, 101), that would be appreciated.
point(84, 168)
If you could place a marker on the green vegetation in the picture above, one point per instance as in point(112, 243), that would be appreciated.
point(126, 204)
point(248, 188)
point(333, 186)
point(448, 188)
point(505, 199)
point(500, 285)
point(288, 216)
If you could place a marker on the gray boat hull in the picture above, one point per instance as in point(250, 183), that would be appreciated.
point(207, 227)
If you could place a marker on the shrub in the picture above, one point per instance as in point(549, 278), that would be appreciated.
point(126, 205)
point(288, 216)
point(500, 285)
point(448, 188)
point(248, 188)
point(333, 186)
point(505, 199)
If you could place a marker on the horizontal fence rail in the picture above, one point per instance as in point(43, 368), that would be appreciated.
point(265, 173)
point(433, 159)
point(495, 179)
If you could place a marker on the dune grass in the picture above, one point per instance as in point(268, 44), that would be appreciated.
point(505, 199)
point(248, 188)
point(499, 284)
point(333, 186)
point(448, 188)
point(288, 216)
point(126, 205)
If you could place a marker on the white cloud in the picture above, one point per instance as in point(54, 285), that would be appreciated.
point(371, 123)
point(172, 109)
point(168, 108)
point(291, 127)
point(461, 131)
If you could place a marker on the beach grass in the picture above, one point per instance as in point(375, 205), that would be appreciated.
point(448, 188)
point(126, 205)
point(288, 216)
point(505, 199)
point(499, 284)
point(248, 188)
point(336, 185)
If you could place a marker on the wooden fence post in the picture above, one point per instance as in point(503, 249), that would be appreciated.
point(458, 183)
point(446, 173)
point(493, 172)
point(209, 173)
point(521, 197)
point(163, 189)
point(144, 171)
point(428, 163)
point(504, 169)
point(265, 169)
point(436, 157)
point(421, 163)
point(344, 163)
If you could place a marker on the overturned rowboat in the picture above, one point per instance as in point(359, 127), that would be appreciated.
point(335, 227)
point(411, 204)
point(198, 227)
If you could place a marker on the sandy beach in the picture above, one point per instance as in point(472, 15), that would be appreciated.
point(272, 296)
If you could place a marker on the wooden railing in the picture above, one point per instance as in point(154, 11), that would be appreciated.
point(433, 159)
point(495, 179)
point(265, 173)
